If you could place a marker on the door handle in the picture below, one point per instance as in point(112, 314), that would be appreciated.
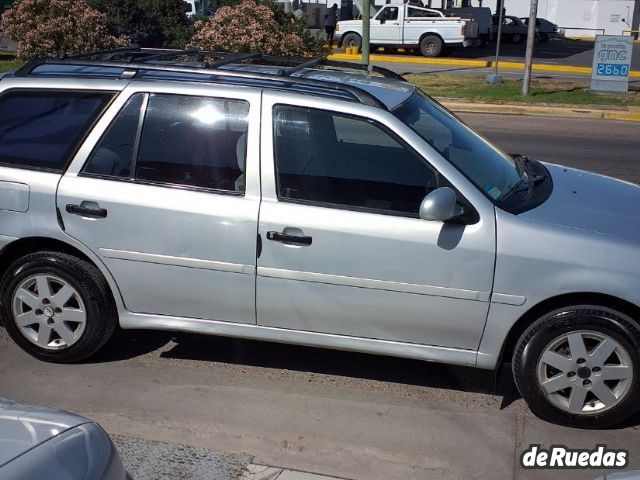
point(87, 209)
point(284, 238)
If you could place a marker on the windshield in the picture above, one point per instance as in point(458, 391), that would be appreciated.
point(490, 169)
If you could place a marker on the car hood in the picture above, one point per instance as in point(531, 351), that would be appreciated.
point(23, 427)
point(591, 202)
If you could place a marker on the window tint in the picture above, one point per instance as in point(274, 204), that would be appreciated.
point(115, 150)
point(41, 129)
point(337, 159)
point(195, 141)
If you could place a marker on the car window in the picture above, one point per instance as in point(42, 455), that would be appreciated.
point(390, 13)
point(42, 129)
point(508, 21)
point(341, 160)
point(185, 140)
point(113, 155)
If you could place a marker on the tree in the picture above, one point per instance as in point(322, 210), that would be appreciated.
point(45, 28)
point(251, 27)
point(149, 23)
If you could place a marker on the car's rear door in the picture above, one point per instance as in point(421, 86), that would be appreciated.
point(161, 193)
point(343, 250)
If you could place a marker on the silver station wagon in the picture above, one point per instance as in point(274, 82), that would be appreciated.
point(305, 201)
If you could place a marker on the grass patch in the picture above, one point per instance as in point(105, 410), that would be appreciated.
point(8, 61)
point(542, 91)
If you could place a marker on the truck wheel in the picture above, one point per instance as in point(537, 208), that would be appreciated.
point(580, 366)
point(431, 46)
point(543, 37)
point(352, 40)
point(57, 307)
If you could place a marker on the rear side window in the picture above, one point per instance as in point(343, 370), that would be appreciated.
point(42, 129)
point(194, 141)
point(183, 141)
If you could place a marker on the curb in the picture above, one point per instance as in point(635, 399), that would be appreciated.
point(541, 111)
point(412, 59)
point(541, 67)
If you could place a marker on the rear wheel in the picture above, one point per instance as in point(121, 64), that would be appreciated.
point(580, 366)
point(431, 46)
point(57, 307)
point(352, 40)
point(516, 38)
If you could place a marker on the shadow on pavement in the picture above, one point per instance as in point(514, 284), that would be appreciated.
point(235, 351)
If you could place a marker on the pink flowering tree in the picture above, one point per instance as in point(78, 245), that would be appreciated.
point(46, 28)
point(251, 27)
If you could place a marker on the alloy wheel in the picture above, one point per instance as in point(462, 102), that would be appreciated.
point(49, 312)
point(585, 372)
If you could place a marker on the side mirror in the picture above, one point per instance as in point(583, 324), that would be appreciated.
point(382, 21)
point(440, 205)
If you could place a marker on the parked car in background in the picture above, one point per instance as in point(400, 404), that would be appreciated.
point(545, 30)
point(38, 443)
point(513, 29)
point(408, 26)
point(481, 16)
point(303, 201)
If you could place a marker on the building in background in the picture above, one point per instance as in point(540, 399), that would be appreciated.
point(579, 18)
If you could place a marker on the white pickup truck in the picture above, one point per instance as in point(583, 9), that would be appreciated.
point(407, 26)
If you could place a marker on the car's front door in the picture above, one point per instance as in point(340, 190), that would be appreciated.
point(161, 193)
point(343, 249)
point(385, 27)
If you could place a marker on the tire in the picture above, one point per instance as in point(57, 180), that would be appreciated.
point(57, 307)
point(516, 38)
point(431, 46)
point(574, 392)
point(543, 37)
point(352, 40)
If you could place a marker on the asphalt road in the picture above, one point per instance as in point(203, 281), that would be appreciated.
point(607, 147)
point(349, 415)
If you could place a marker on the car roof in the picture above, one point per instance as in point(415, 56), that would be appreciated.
point(371, 85)
point(389, 91)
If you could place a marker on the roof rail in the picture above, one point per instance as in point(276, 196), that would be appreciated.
point(150, 54)
point(139, 61)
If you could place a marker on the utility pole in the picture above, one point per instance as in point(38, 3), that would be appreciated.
point(495, 78)
point(366, 23)
point(531, 38)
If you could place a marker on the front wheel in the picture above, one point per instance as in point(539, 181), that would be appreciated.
point(431, 46)
point(517, 38)
point(57, 307)
point(580, 367)
point(543, 37)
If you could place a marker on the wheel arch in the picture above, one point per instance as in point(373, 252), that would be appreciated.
point(559, 301)
point(24, 246)
point(435, 34)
